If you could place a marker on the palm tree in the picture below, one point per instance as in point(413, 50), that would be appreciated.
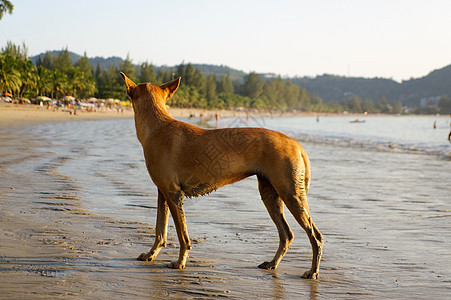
point(10, 79)
point(76, 80)
point(28, 76)
point(43, 81)
point(89, 87)
point(5, 6)
point(59, 83)
point(81, 83)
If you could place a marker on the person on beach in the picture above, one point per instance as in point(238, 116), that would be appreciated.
point(217, 120)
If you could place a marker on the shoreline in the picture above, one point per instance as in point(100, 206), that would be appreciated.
point(22, 115)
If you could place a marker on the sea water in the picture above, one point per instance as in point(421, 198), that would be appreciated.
point(380, 194)
point(426, 134)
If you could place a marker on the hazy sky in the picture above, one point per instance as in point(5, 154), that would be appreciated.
point(396, 39)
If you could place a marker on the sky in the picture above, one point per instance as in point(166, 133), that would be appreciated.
point(397, 39)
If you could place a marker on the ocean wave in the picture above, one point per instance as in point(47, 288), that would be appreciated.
point(378, 145)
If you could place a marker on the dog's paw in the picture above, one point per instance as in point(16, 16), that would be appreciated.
point(310, 275)
point(176, 265)
point(144, 257)
point(268, 265)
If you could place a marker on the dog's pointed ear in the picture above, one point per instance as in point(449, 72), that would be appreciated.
point(130, 85)
point(170, 87)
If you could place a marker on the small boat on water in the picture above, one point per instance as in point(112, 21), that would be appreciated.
point(357, 121)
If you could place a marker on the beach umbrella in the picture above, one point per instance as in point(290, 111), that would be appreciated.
point(43, 98)
point(68, 98)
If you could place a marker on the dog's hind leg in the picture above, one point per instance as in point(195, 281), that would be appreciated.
point(298, 207)
point(274, 205)
point(175, 203)
point(161, 229)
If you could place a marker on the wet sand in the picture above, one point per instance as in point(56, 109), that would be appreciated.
point(63, 233)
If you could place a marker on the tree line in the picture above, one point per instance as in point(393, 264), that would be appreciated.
point(54, 75)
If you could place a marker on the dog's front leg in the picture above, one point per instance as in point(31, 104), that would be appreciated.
point(175, 203)
point(161, 229)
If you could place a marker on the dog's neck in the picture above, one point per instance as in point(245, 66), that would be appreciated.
point(150, 117)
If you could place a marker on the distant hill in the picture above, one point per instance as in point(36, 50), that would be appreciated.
point(105, 62)
point(74, 57)
point(235, 75)
point(332, 87)
point(328, 87)
point(436, 83)
point(410, 92)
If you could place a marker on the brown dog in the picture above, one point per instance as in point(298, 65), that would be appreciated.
point(185, 160)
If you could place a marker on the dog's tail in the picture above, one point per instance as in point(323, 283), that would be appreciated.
point(307, 173)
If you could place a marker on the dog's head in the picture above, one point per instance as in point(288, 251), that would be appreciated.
point(146, 94)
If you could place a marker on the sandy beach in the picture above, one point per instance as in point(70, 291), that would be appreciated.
point(77, 207)
point(15, 114)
